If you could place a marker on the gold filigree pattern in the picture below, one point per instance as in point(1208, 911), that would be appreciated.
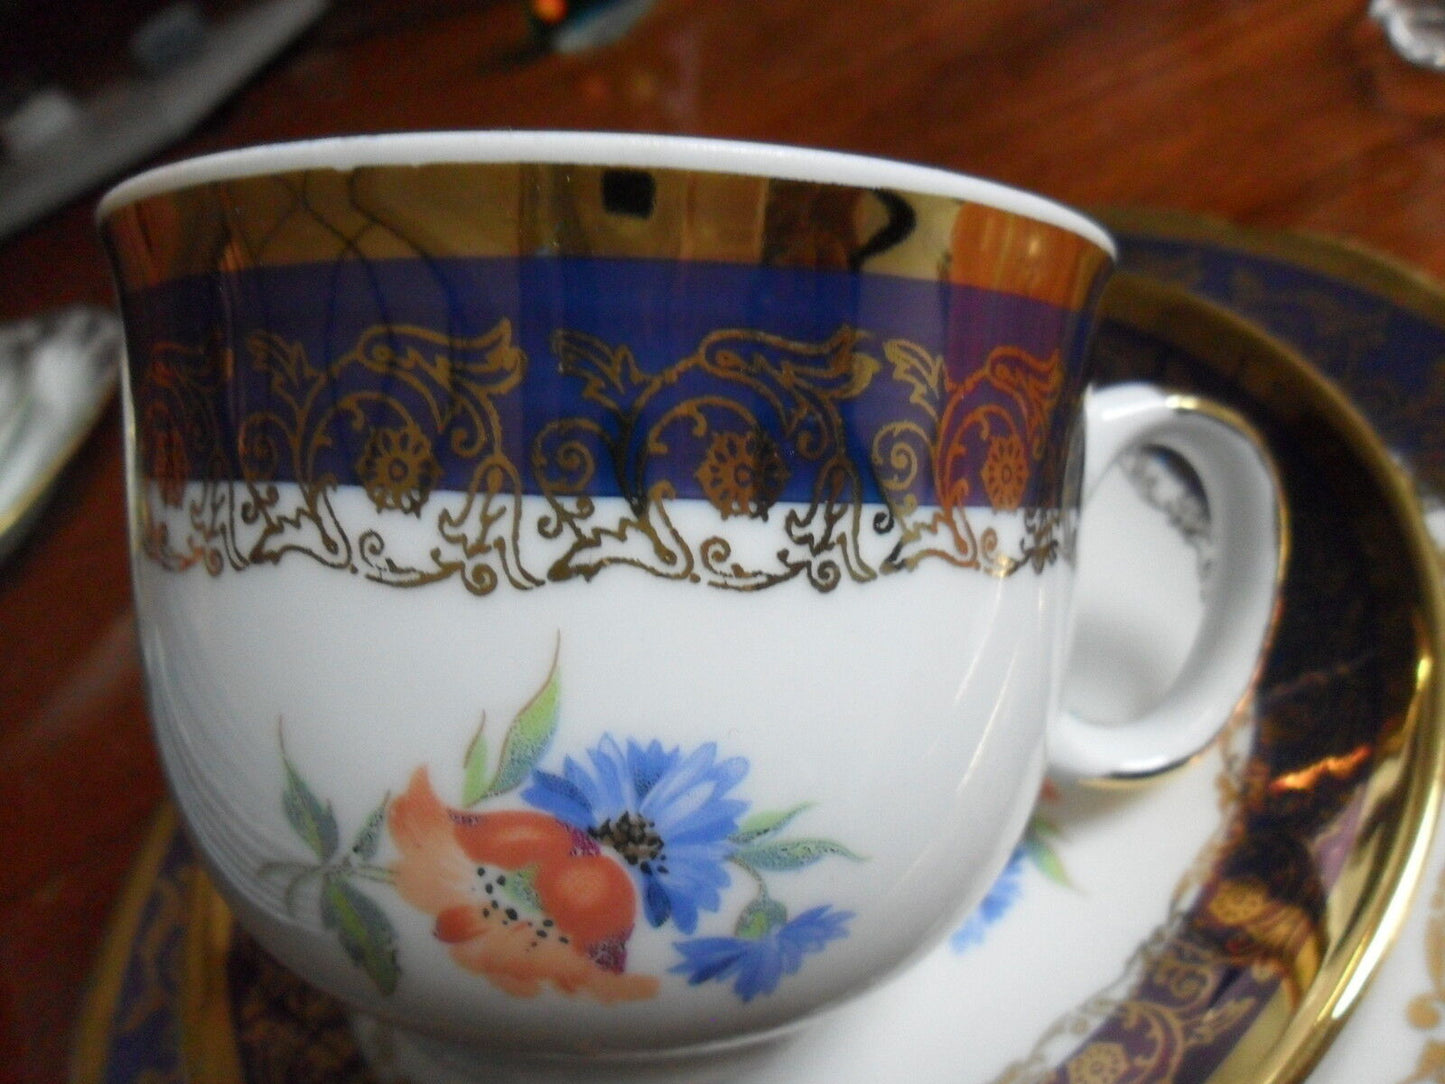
point(1153, 1034)
point(1171, 999)
point(767, 423)
point(1426, 1011)
point(420, 383)
point(998, 416)
point(1099, 1063)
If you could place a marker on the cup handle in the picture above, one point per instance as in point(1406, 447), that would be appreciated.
point(1247, 518)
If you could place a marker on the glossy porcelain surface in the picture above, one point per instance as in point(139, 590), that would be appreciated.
point(551, 573)
point(1213, 922)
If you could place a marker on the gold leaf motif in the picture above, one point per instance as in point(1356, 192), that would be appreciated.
point(919, 369)
point(1430, 1066)
point(610, 375)
point(166, 451)
point(1423, 1012)
point(1435, 949)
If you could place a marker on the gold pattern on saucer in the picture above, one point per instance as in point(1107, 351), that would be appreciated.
point(1333, 257)
point(1426, 1011)
point(1346, 330)
point(150, 907)
point(1195, 1008)
point(1318, 940)
point(206, 1001)
point(513, 210)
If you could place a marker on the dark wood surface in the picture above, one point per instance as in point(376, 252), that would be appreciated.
point(1283, 113)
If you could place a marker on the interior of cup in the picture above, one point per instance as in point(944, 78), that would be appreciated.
point(602, 149)
point(620, 332)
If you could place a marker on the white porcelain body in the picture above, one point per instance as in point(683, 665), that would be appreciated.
point(908, 715)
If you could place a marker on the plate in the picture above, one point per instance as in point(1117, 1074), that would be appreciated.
point(1215, 926)
point(1377, 328)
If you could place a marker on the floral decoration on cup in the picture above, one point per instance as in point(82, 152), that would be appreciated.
point(548, 892)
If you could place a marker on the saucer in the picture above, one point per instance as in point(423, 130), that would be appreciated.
point(1377, 328)
point(1215, 925)
point(1374, 326)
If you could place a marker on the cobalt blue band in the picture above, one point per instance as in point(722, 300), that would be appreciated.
point(607, 377)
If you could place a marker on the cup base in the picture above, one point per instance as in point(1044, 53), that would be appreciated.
point(398, 1056)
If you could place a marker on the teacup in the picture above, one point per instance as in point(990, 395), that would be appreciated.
point(607, 596)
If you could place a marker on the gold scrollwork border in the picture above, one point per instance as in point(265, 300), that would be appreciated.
point(755, 407)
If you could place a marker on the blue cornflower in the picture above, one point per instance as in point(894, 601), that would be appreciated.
point(665, 814)
point(996, 903)
point(759, 963)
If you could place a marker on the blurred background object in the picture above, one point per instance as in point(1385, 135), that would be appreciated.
point(65, 128)
point(56, 375)
point(1415, 28)
point(571, 26)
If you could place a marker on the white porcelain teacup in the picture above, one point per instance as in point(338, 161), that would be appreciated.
point(607, 595)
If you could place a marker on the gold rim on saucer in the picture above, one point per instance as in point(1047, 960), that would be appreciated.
point(1334, 257)
point(1375, 326)
point(1379, 884)
point(90, 1052)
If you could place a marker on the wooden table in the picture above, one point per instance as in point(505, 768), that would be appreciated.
point(1288, 113)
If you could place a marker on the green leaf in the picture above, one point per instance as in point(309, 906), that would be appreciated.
point(1044, 828)
point(363, 929)
point(766, 823)
point(1042, 854)
point(474, 781)
point(369, 837)
point(760, 916)
point(789, 854)
point(528, 737)
point(313, 822)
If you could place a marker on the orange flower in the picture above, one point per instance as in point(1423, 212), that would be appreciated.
point(518, 896)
